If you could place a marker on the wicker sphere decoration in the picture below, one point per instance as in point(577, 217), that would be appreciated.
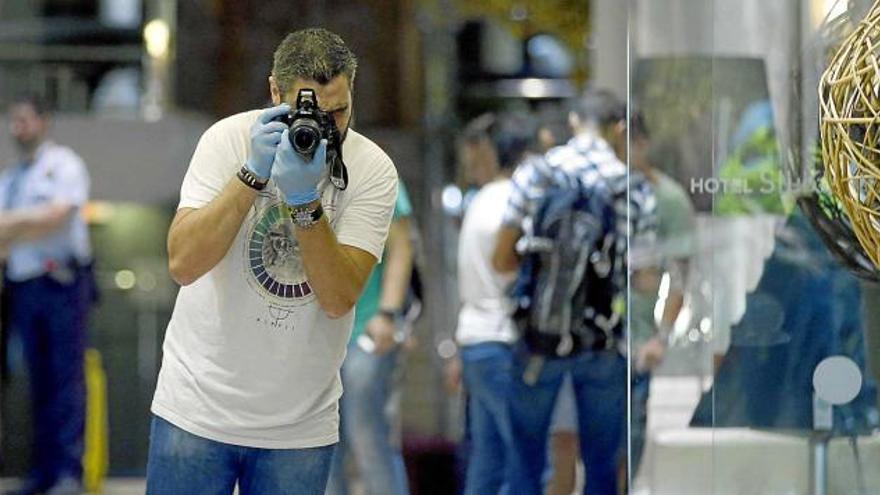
point(849, 99)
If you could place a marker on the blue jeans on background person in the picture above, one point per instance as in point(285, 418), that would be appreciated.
point(487, 380)
point(370, 424)
point(180, 462)
point(50, 319)
point(599, 380)
point(641, 386)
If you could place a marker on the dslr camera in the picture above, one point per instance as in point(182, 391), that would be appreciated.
point(308, 126)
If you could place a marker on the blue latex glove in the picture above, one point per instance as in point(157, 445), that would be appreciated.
point(265, 136)
point(296, 177)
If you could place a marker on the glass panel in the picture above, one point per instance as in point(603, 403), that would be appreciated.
point(764, 386)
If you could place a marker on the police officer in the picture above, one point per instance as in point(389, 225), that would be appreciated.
point(45, 245)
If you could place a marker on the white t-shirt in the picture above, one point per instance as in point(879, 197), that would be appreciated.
point(249, 356)
point(484, 315)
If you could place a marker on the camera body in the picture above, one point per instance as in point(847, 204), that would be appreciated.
point(309, 125)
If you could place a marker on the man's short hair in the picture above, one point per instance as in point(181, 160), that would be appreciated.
point(638, 129)
point(478, 129)
point(513, 134)
point(313, 54)
point(599, 108)
point(35, 101)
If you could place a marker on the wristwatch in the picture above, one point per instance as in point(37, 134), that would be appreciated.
point(251, 180)
point(388, 313)
point(306, 217)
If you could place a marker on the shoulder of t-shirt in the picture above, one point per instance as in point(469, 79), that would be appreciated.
point(66, 158)
point(496, 188)
point(560, 153)
point(675, 191)
point(374, 158)
point(236, 123)
point(6, 172)
point(493, 192)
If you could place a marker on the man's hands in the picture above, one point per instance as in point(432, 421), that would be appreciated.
point(650, 354)
point(273, 156)
point(298, 179)
point(452, 372)
point(382, 330)
point(266, 134)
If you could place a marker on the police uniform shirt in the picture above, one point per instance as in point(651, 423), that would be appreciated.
point(57, 174)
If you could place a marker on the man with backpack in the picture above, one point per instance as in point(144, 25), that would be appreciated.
point(567, 226)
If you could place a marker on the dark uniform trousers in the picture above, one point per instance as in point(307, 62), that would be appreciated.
point(49, 314)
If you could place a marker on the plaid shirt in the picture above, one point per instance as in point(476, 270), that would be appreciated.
point(594, 162)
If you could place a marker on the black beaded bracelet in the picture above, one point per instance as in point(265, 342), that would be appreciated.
point(251, 180)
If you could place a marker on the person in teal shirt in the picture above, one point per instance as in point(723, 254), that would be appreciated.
point(371, 299)
point(370, 405)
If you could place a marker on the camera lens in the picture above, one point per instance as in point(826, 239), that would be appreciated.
point(304, 137)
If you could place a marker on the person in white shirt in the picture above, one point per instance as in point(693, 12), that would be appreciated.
point(44, 243)
point(272, 247)
point(485, 333)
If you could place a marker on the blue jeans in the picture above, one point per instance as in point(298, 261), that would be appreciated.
point(641, 386)
point(599, 380)
point(486, 372)
point(180, 462)
point(50, 318)
point(370, 423)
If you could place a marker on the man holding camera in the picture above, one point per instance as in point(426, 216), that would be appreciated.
point(273, 247)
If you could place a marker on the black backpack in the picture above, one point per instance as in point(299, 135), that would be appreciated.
point(565, 289)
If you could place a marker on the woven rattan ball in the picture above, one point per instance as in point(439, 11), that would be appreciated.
point(849, 98)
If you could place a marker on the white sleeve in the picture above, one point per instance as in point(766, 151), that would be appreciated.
point(73, 181)
point(365, 221)
point(213, 164)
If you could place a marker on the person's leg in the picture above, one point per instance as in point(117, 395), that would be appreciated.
point(564, 453)
point(486, 372)
point(367, 382)
point(564, 450)
point(180, 462)
point(599, 380)
point(337, 483)
point(638, 428)
point(65, 319)
point(34, 340)
point(463, 450)
point(535, 386)
point(285, 471)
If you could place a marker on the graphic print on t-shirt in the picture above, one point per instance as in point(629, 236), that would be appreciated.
point(274, 263)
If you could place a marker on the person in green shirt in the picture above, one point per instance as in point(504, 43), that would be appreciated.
point(675, 232)
point(370, 404)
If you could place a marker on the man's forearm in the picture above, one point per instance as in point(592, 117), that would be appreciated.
point(199, 238)
point(335, 277)
point(398, 266)
point(32, 223)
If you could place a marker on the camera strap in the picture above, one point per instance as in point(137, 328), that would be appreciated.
point(338, 171)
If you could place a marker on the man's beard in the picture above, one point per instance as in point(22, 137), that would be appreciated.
point(27, 146)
